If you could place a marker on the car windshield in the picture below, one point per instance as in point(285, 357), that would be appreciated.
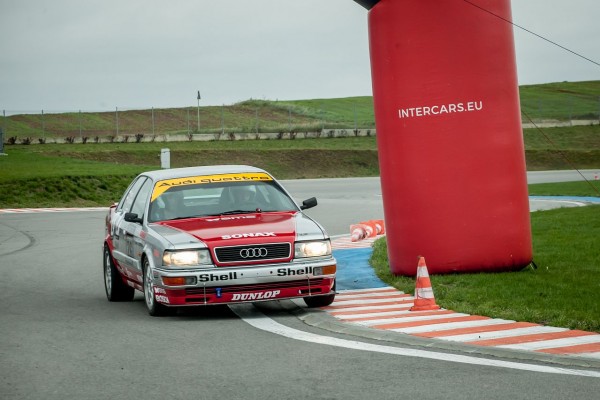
point(222, 198)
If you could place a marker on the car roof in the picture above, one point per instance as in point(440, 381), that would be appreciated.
point(172, 173)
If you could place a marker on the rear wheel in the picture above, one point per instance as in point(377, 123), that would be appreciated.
point(321, 301)
point(154, 308)
point(116, 289)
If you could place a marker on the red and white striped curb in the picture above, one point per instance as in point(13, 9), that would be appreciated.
point(50, 210)
point(345, 242)
point(388, 309)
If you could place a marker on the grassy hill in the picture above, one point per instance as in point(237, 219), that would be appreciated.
point(554, 101)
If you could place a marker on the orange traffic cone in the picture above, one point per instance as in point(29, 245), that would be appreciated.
point(424, 298)
point(358, 232)
point(379, 226)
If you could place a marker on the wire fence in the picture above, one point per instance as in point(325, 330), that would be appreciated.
point(246, 120)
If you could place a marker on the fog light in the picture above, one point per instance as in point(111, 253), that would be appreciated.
point(179, 280)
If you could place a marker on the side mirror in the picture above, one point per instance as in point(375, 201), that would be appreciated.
point(309, 203)
point(133, 217)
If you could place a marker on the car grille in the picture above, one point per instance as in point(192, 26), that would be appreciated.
point(256, 252)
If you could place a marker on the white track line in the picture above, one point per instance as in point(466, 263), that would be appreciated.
point(257, 319)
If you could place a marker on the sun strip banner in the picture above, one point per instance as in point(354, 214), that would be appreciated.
point(162, 186)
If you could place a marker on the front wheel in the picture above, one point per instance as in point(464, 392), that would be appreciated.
point(320, 301)
point(116, 289)
point(155, 309)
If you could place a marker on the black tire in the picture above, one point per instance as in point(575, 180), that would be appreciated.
point(116, 289)
point(320, 301)
point(155, 309)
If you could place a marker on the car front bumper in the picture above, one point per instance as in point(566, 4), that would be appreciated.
point(246, 284)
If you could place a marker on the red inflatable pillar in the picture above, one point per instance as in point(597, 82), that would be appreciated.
point(449, 135)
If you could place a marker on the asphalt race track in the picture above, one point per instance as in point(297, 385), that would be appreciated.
point(60, 338)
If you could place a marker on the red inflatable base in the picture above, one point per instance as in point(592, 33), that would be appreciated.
point(449, 136)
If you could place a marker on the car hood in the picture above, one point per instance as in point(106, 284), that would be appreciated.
point(239, 230)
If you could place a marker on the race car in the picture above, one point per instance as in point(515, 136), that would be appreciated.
point(214, 235)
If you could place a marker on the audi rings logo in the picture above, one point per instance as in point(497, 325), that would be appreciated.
point(254, 252)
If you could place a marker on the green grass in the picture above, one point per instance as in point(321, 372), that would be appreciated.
point(562, 148)
point(31, 176)
point(580, 188)
point(286, 159)
point(561, 100)
point(564, 291)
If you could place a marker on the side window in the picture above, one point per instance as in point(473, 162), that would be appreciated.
point(129, 197)
point(139, 204)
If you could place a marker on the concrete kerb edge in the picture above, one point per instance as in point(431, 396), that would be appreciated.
point(320, 319)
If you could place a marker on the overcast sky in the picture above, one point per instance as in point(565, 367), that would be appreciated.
point(89, 55)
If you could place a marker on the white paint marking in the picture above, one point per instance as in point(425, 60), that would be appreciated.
point(390, 300)
point(360, 308)
point(410, 319)
point(451, 325)
point(550, 344)
point(351, 317)
point(532, 330)
point(254, 317)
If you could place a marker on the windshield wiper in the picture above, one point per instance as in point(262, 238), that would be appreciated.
point(258, 210)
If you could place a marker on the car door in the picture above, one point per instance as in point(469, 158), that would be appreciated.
point(124, 231)
point(135, 231)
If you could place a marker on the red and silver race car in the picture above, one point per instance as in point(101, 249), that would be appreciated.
point(214, 235)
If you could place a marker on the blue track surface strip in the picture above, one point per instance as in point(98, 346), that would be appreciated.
point(567, 198)
point(354, 271)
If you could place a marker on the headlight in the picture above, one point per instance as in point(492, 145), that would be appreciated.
point(313, 249)
point(185, 258)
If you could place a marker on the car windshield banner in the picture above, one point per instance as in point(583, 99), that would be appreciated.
point(163, 186)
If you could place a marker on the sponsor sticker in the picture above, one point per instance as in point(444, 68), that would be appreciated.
point(440, 109)
point(163, 186)
point(256, 295)
point(247, 235)
point(162, 299)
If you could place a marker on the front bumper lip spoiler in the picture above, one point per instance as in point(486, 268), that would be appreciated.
point(246, 284)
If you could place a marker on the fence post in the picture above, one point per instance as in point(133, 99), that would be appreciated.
point(152, 121)
point(43, 126)
point(222, 119)
point(80, 136)
point(256, 121)
point(2, 142)
point(117, 119)
point(188, 121)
